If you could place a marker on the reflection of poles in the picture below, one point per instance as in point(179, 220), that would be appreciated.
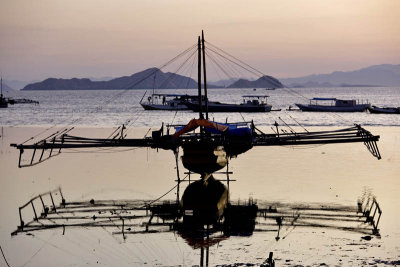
point(177, 174)
point(227, 177)
point(207, 245)
point(279, 222)
point(201, 256)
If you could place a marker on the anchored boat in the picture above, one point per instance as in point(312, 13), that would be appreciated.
point(251, 103)
point(168, 102)
point(384, 110)
point(335, 105)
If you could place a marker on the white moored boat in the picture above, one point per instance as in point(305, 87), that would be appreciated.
point(335, 105)
point(167, 102)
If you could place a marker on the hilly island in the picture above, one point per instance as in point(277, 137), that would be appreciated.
point(147, 79)
point(376, 75)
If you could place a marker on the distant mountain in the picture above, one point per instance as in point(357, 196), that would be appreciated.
point(263, 82)
point(105, 78)
point(6, 88)
point(16, 85)
point(147, 79)
point(223, 83)
point(377, 75)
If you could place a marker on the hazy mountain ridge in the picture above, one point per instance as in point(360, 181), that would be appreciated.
point(6, 88)
point(376, 75)
point(263, 82)
point(223, 83)
point(147, 79)
point(16, 85)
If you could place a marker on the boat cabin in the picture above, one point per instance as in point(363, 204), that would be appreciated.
point(337, 102)
point(168, 101)
point(255, 99)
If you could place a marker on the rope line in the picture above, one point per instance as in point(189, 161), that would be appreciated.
point(169, 191)
point(4, 256)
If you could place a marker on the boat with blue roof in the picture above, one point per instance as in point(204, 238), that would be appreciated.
point(251, 103)
point(322, 104)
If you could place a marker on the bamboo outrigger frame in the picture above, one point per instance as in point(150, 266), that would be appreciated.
point(160, 140)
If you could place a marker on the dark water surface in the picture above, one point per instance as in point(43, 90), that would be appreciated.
point(107, 108)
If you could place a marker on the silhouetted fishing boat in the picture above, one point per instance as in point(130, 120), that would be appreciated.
point(167, 102)
point(251, 103)
point(334, 105)
point(384, 110)
point(5, 101)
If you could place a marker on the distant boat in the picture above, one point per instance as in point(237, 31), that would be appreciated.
point(334, 105)
point(251, 103)
point(384, 110)
point(168, 102)
point(3, 101)
point(269, 89)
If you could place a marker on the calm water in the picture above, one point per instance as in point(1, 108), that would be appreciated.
point(111, 108)
point(324, 174)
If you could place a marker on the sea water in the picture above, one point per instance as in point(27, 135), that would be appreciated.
point(324, 174)
point(108, 108)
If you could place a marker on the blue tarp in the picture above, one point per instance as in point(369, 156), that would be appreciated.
point(323, 98)
point(233, 130)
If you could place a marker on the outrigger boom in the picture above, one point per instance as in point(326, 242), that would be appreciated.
point(226, 136)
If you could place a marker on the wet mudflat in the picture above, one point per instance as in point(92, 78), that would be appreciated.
point(330, 174)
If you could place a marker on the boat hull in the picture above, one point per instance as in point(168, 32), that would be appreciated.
point(163, 107)
point(377, 110)
point(221, 107)
point(204, 202)
point(202, 158)
point(321, 108)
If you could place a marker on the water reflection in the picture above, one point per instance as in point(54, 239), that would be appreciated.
point(132, 217)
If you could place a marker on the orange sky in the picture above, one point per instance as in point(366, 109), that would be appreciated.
point(96, 38)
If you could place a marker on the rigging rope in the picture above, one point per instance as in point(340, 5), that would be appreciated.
point(173, 74)
point(169, 191)
point(249, 68)
point(258, 73)
point(112, 99)
point(4, 256)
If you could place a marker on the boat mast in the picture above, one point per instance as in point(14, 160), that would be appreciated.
point(1, 85)
point(199, 78)
point(204, 73)
point(154, 82)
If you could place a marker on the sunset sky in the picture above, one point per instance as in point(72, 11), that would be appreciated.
point(97, 38)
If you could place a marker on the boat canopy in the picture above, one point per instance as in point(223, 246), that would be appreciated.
point(255, 96)
point(174, 95)
point(323, 98)
point(235, 129)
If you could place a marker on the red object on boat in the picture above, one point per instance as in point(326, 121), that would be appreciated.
point(193, 124)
